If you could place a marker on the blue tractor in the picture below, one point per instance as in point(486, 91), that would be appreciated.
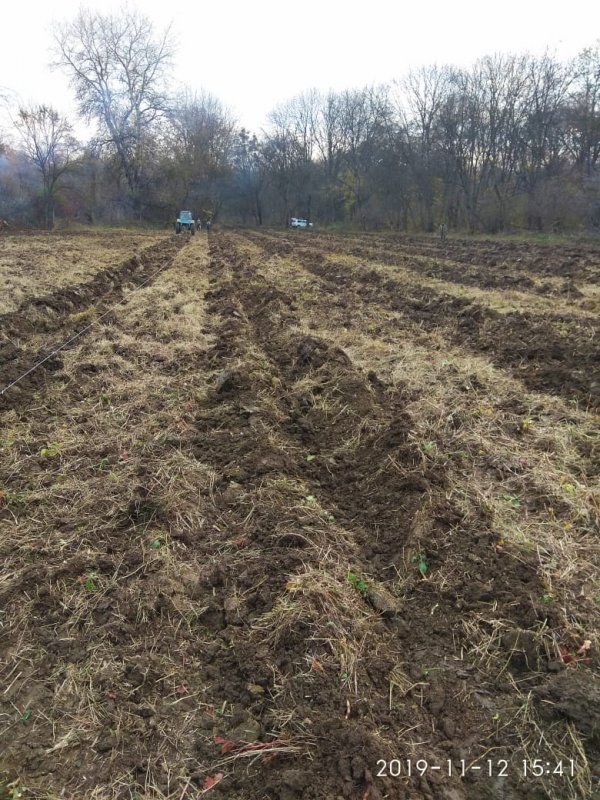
point(185, 221)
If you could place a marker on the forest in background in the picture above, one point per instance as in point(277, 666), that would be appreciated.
point(511, 143)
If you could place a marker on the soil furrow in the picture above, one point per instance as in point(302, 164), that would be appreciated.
point(391, 518)
point(40, 325)
point(565, 362)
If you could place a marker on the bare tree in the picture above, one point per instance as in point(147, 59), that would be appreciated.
point(49, 143)
point(200, 139)
point(249, 178)
point(422, 95)
point(118, 67)
point(288, 150)
point(365, 119)
point(582, 115)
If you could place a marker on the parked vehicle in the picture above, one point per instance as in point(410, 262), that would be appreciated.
point(185, 221)
point(296, 222)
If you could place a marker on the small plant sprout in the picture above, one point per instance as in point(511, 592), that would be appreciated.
point(51, 451)
point(310, 457)
point(357, 582)
point(421, 561)
point(513, 500)
point(14, 790)
point(10, 498)
point(157, 543)
point(89, 581)
point(547, 599)
point(429, 446)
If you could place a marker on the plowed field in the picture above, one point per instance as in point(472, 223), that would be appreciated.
point(303, 516)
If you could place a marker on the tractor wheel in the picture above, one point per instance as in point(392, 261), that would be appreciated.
point(178, 228)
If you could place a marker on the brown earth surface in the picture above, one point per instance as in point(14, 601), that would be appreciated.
point(293, 521)
point(32, 264)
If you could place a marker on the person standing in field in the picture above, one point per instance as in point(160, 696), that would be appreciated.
point(443, 230)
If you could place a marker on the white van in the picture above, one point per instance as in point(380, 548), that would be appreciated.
point(295, 222)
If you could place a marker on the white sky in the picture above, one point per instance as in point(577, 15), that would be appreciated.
point(253, 54)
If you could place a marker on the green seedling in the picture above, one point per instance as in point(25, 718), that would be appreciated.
point(10, 498)
point(26, 715)
point(429, 446)
point(103, 465)
point(421, 561)
point(311, 499)
point(89, 582)
point(569, 488)
point(330, 518)
point(14, 791)
point(512, 499)
point(51, 451)
point(356, 582)
point(221, 711)
point(547, 599)
point(156, 544)
point(597, 598)
point(445, 362)
point(310, 457)
point(104, 398)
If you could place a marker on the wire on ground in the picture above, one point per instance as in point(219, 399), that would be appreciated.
point(81, 332)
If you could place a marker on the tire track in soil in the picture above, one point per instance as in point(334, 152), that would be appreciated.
point(381, 514)
point(566, 364)
point(61, 314)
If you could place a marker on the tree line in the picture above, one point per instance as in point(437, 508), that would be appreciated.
point(511, 142)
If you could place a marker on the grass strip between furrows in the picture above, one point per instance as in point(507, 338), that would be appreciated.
point(38, 332)
point(558, 356)
point(32, 265)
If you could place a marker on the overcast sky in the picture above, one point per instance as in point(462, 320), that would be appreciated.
point(254, 54)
